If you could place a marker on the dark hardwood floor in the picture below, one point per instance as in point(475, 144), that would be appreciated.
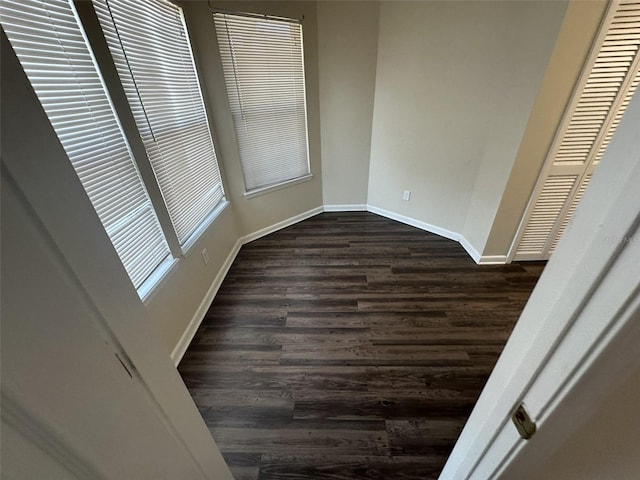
point(349, 346)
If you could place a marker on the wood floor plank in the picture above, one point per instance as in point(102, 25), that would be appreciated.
point(349, 347)
point(303, 440)
point(349, 467)
point(274, 377)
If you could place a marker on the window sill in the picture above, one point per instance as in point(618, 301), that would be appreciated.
point(271, 188)
point(151, 285)
point(211, 218)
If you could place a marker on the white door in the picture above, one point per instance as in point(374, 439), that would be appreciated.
point(88, 391)
point(69, 393)
point(609, 79)
point(575, 345)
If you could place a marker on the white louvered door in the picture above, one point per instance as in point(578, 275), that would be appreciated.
point(607, 84)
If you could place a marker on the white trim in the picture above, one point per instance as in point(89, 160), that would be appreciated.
point(471, 250)
point(186, 338)
point(492, 260)
point(427, 227)
point(256, 192)
point(481, 259)
point(355, 207)
point(529, 257)
point(280, 225)
point(204, 226)
point(443, 232)
point(152, 284)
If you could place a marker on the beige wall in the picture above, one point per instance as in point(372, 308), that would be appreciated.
point(265, 210)
point(579, 27)
point(347, 47)
point(455, 83)
point(174, 303)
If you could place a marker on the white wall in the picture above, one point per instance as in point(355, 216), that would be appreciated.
point(347, 48)
point(454, 87)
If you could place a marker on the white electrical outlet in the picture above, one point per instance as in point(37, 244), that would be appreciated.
point(406, 196)
point(205, 256)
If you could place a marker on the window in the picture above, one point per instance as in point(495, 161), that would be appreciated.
point(49, 40)
point(263, 65)
point(151, 51)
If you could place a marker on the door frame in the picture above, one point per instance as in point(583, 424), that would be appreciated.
point(576, 338)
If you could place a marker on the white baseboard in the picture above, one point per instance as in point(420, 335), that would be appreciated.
point(190, 332)
point(493, 260)
point(280, 225)
point(443, 232)
point(355, 207)
point(471, 250)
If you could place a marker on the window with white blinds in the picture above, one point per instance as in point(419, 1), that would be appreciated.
point(50, 44)
point(149, 44)
point(263, 63)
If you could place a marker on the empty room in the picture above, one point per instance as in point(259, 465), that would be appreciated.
point(267, 240)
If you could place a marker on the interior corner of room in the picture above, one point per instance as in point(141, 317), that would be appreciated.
point(440, 115)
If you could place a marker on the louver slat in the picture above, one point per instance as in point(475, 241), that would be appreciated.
point(572, 209)
point(550, 202)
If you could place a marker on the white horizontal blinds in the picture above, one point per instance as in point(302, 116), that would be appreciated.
point(263, 65)
point(550, 202)
point(608, 85)
point(150, 47)
point(51, 47)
